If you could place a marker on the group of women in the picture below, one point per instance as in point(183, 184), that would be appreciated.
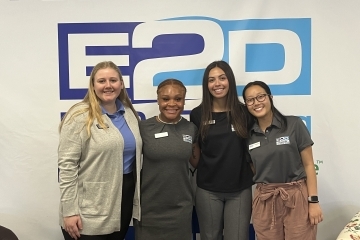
point(114, 167)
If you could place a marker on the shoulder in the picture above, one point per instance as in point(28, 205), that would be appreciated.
point(196, 112)
point(79, 111)
point(79, 106)
point(296, 123)
point(189, 124)
point(147, 122)
point(293, 119)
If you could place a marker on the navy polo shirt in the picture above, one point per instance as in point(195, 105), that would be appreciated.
point(275, 154)
point(119, 121)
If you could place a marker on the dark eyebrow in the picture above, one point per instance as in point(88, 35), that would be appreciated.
point(221, 75)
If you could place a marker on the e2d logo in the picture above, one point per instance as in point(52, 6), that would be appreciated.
point(277, 51)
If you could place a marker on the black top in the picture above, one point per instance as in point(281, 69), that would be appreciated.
point(222, 166)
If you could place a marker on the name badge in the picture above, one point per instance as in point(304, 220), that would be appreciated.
point(99, 127)
point(211, 122)
point(254, 145)
point(161, 135)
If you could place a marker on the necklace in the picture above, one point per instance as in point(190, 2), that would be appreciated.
point(169, 122)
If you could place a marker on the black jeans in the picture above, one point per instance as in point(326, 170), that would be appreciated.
point(128, 190)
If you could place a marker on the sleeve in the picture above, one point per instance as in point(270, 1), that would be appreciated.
point(302, 135)
point(195, 133)
point(195, 119)
point(69, 153)
point(247, 156)
point(247, 151)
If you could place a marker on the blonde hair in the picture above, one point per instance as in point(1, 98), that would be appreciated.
point(93, 102)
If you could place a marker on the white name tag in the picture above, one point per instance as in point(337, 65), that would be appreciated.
point(161, 135)
point(254, 145)
point(210, 122)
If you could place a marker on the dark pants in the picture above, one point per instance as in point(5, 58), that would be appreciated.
point(128, 190)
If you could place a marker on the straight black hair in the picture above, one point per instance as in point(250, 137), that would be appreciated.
point(276, 112)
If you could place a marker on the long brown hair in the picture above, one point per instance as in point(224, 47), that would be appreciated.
point(236, 114)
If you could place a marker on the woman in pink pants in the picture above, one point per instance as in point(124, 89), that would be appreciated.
point(285, 204)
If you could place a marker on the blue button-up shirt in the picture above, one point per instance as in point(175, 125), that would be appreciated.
point(118, 120)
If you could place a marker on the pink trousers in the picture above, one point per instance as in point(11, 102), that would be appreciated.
point(280, 211)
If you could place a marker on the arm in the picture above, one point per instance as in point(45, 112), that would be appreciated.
point(195, 155)
point(69, 153)
point(252, 167)
point(248, 157)
point(315, 213)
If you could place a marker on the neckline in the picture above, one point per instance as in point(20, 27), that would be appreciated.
point(170, 123)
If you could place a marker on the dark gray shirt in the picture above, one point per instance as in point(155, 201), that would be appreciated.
point(166, 193)
point(276, 153)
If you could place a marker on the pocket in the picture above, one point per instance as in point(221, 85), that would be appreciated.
point(96, 198)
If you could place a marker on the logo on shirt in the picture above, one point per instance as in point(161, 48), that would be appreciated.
point(283, 140)
point(187, 138)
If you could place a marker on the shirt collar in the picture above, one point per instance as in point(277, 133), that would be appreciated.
point(275, 123)
point(119, 106)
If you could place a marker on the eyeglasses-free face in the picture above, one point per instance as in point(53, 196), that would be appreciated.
point(259, 98)
point(171, 101)
point(218, 84)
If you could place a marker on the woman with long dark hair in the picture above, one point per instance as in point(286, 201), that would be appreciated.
point(224, 177)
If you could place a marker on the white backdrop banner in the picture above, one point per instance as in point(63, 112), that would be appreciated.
point(307, 51)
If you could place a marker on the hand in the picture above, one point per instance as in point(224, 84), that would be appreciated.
point(73, 225)
point(315, 213)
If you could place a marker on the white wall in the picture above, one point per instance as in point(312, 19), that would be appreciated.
point(30, 95)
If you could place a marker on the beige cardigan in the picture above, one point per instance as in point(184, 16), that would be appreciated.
point(91, 173)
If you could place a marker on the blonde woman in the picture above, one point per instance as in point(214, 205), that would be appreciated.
point(99, 160)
